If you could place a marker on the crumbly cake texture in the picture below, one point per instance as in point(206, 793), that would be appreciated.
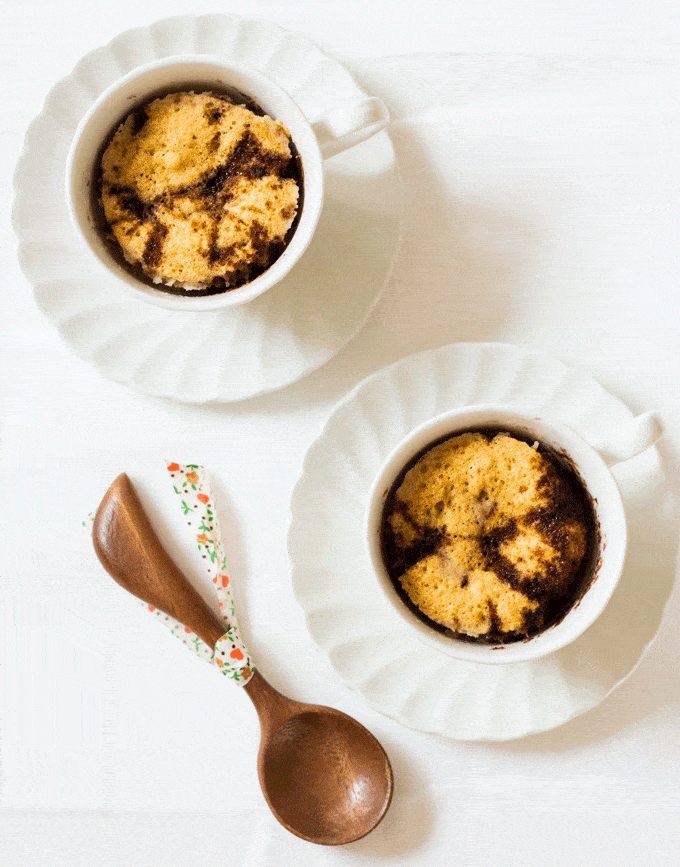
point(486, 538)
point(198, 191)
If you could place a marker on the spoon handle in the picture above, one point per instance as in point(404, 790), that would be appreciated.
point(132, 554)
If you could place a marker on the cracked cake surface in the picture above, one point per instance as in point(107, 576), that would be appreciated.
point(489, 536)
point(198, 191)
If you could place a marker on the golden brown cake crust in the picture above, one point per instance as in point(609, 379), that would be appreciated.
point(197, 190)
point(486, 537)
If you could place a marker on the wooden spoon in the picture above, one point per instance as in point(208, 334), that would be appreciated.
point(324, 776)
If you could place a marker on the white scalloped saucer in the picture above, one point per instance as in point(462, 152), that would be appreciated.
point(363, 636)
point(228, 354)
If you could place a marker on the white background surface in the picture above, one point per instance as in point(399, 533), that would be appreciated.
point(539, 147)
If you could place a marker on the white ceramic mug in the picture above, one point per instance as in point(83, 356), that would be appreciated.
point(336, 130)
point(595, 475)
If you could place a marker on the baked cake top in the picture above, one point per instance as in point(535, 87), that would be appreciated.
point(198, 190)
point(486, 537)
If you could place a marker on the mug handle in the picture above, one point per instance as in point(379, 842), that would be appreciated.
point(629, 439)
point(349, 123)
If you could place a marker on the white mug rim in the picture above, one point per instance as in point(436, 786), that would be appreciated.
point(599, 483)
point(78, 197)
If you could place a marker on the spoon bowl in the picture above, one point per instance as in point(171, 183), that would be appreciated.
point(324, 776)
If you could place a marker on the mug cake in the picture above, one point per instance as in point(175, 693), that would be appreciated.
point(488, 537)
point(200, 191)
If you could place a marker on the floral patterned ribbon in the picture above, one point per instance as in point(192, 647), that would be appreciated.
point(230, 653)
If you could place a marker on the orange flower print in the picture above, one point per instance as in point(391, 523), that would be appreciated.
point(197, 505)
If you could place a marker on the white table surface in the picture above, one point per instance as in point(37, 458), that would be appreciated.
point(539, 147)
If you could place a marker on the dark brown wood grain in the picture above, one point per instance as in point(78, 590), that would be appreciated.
point(132, 554)
point(324, 776)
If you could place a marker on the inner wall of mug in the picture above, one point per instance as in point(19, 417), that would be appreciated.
point(185, 77)
point(596, 480)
